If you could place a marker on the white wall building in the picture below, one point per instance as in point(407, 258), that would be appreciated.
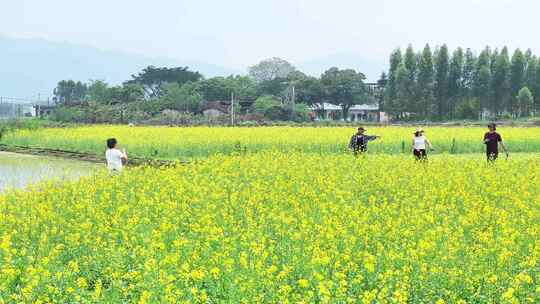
point(360, 112)
point(326, 111)
point(364, 112)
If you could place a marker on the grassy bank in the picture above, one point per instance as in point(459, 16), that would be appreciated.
point(10, 125)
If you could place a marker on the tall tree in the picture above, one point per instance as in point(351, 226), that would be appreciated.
point(455, 80)
point(152, 79)
point(126, 93)
point(243, 86)
point(484, 59)
point(295, 84)
point(270, 69)
point(404, 95)
point(500, 83)
point(493, 56)
point(468, 74)
point(381, 91)
point(517, 78)
point(221, 88)
point(530, 75)
point(425, 82)
point(528, 55)
point(411, 63)
point(184, 97)
point(276, 87)
point(216, 89)
point(482, 81)
point(525, 102)
point(391, 90)
point(68, 91)
point(537, 86)
point(344, 87)
point(98, 91)
point(309, 91)
point(482, 87)
point(441, 81)
point(265, 102)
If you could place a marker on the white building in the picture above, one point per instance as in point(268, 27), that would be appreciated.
point(364, 112)
point(360, 112)
point(326, 111)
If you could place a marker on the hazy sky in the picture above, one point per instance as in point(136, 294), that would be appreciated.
point(238, 33)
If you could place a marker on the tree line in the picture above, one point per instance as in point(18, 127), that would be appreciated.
point(436, 85)
point(274, 87)
point(429, 84)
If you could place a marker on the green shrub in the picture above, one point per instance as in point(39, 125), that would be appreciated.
point(263, 103)
point(467, 109)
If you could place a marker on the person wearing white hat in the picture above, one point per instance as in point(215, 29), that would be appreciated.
point(420, 143)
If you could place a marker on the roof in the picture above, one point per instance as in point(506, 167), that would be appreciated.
point(44, 107)
point(364, 107)
point(326, 106)
point(217, 105)
point(333, 107)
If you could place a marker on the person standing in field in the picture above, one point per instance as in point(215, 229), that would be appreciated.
point(419, 145)
point(114, 156)
point(492, 140)
point(359, 141)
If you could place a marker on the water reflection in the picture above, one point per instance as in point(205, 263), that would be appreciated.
point(18, 171)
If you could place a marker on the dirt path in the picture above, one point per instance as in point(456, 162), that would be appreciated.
point(88, 157)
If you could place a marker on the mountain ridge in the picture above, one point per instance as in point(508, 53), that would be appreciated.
point(33, 66)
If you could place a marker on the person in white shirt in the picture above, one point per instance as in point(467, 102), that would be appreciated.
point(419, 145)
point(114, 156)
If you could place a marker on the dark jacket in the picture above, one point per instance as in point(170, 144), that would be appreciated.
point(359, 142)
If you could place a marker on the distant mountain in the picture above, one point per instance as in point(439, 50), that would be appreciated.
point(32, 66)
point(371, 68)
point(29, 67)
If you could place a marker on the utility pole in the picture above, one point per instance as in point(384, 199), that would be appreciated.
point(232, 108)
point(38, 101)
point(293, 96)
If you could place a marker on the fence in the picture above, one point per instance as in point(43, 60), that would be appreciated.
point(13, 110)
point(11, 107)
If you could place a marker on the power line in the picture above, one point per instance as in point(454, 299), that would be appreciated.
point(17, 100)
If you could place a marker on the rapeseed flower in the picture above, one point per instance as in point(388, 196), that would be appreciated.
point(280, 227)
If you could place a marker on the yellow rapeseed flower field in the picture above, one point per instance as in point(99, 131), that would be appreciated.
point(275, 227)
point(176, 142)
